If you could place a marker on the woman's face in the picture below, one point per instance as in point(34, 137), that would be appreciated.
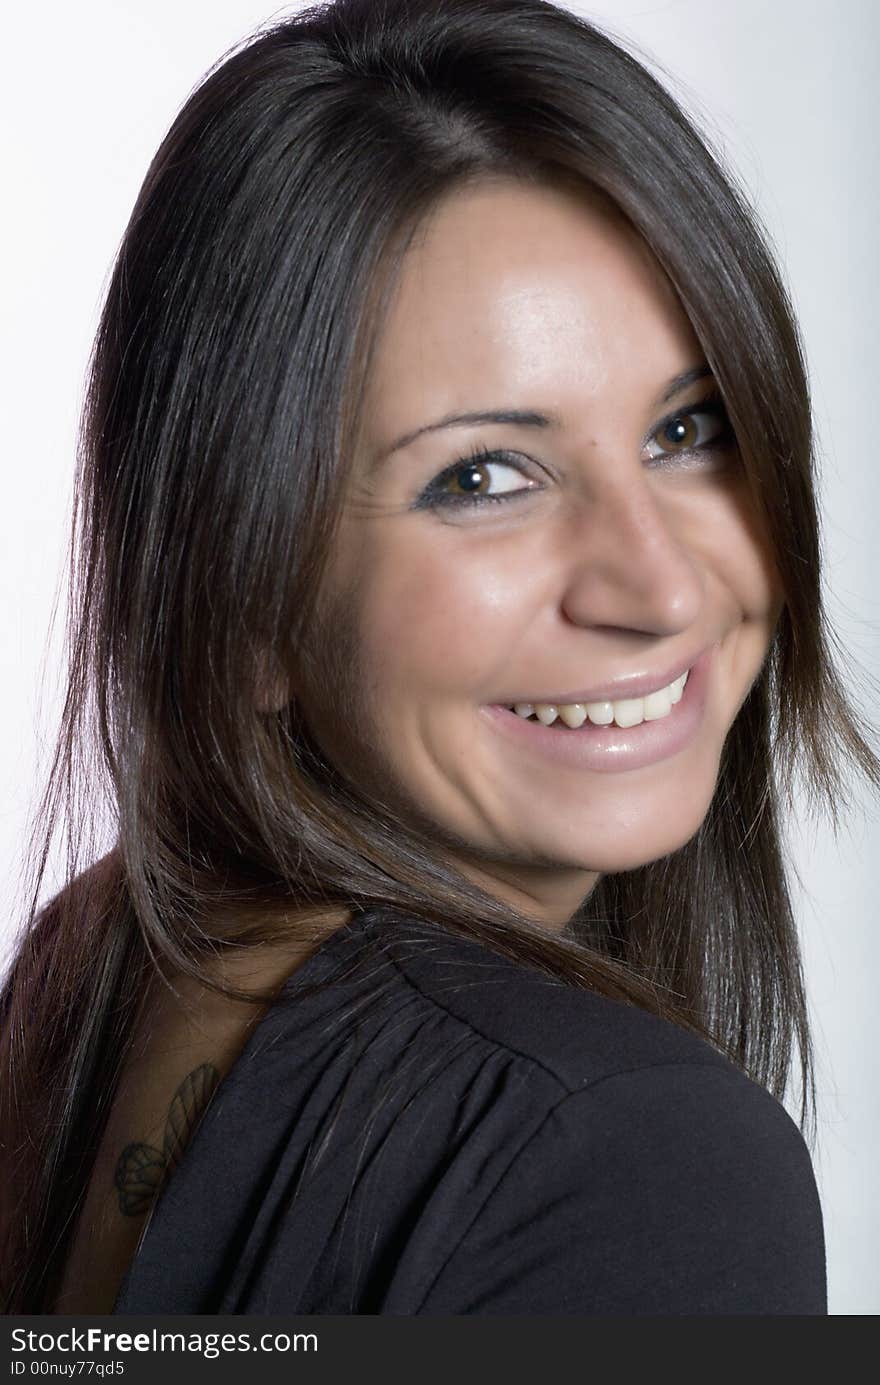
point(617, 551)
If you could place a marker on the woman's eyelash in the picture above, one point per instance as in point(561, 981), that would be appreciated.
point(434, 495)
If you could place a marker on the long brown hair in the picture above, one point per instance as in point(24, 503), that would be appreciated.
point(222, 403)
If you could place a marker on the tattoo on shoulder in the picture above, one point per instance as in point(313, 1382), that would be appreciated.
point(142, 1167)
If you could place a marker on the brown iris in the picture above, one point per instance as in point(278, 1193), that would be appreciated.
point(474, 473)
point(681, 431)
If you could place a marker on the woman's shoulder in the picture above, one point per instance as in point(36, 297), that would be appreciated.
point(635, 1167)
point(499, 1141)
point(573, 1035)
point(550, 1060)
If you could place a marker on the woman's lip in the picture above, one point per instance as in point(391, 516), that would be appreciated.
point(637, 686)
point(610, 748)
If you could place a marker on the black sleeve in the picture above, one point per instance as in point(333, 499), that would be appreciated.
point(676, 1189)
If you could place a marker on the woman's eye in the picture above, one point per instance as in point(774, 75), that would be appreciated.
point(491, 476)
point(693, 430)
point(483, 476)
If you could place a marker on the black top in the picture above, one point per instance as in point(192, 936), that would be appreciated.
point(499, 1142)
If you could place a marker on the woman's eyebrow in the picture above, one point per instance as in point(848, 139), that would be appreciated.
point(525, 418)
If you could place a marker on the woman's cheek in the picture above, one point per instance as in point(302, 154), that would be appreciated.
point(752, 574)
point(445, 617)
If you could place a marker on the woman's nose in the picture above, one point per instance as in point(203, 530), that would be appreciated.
point(630, 560)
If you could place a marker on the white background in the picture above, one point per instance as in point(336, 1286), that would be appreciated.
point(789, 93)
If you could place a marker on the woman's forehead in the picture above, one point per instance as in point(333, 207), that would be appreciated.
point(513, 290)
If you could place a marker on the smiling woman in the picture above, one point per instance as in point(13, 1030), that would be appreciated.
point(448, 630)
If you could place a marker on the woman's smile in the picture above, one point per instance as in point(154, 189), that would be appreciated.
point(575, 742)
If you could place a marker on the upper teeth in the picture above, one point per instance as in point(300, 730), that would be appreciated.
point(629, 711)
